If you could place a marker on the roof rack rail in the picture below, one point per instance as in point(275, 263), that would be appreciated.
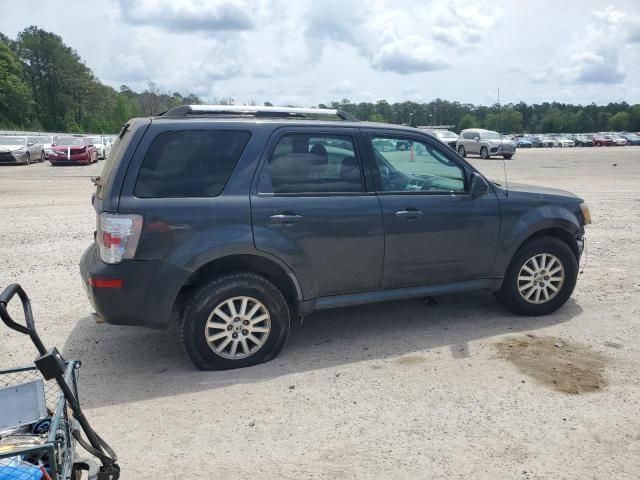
point(256, 111)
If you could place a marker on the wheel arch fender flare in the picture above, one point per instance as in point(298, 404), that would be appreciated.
point(552, 220)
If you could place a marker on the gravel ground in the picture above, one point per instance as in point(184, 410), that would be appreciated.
point(397, 390)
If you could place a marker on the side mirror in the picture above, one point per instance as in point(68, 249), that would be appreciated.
point(477, 139)
point(478, 185)
point(29, 144)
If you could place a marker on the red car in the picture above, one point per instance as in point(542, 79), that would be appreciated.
point(73, 151)
point(600, 140)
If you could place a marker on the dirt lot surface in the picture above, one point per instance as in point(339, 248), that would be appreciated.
point(397, 390)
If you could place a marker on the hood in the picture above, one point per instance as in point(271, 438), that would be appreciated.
point(63, 148)
point(9, 148)
point(536, 190)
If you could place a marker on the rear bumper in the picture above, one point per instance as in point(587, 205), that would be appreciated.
point(148, 292)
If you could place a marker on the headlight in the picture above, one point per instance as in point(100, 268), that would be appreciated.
point(586, 213)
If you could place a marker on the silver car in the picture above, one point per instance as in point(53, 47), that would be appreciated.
point(477, 141)
point(19, 149)
point(102, 145)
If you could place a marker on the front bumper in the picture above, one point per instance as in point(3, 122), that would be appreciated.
point(12, 159)
point(502, 149)
point(146, 298)
point(69, 159)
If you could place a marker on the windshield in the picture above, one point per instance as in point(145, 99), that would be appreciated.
point(44, 139)
point(12, 140)
point(70, 141)
point(490, 136)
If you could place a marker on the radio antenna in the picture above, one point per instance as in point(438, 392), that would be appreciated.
point(504, 163)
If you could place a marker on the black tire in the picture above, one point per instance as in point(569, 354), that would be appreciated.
point(508, 156)
point(462, 151)
point(213, 294)
point(42, 157)
point(509, 295)
point(28, 160)
point(484, 153)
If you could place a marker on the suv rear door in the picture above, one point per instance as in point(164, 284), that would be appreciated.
point(311, 209)
point(435, 232)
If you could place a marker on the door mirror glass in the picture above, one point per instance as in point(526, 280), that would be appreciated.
point(478, 185)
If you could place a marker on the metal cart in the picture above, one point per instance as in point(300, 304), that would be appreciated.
point(50, 444)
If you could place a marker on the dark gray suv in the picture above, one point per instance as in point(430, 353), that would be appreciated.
point(235, 220)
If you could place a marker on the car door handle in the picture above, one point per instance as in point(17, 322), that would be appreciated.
point(409, 214)
point(285, 219)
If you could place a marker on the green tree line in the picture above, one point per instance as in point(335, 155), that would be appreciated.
point(45, 85)
point(510, 118)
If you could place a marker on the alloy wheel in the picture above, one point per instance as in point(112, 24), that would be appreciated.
point(238, 327)
point(541, 278)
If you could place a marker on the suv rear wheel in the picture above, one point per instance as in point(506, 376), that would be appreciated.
point(461, 151)
point(540, 278)
point(484, 153)
point(234, 321)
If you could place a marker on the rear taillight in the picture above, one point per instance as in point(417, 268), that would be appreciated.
point(117, 236)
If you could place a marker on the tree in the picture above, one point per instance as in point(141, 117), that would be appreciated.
point(467, 121)
point(15, 96)
point(619, 122)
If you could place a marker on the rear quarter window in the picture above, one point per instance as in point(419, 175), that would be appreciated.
point(117, 151)
point(189, 163)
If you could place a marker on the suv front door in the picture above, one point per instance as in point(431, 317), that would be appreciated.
point(435, 232)
point(311, 209)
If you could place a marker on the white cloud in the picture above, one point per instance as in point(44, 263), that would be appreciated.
point(188, 15)
point(308, 51)
point(341, 87)
point(407, 55)
point(597, 54)
point(397, 38)
point(598, 66)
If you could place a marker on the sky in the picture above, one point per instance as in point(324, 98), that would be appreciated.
point(305, 52)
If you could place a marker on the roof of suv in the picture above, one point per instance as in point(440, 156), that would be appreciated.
point(270, 115)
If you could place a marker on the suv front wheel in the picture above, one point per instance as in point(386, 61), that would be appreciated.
point(234, 321)
point(540, 278)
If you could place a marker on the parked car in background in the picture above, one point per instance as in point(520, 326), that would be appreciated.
point(484, 143)
point(47, 142)
point(76, 150)
point(102, 146)
point(616, 140)
point(20, 150)
point(445, 136)
point(535, 140)
point(547, 141)
point(583, 140)
point(601, 140)
point(523, 142)
point(238, 252)
point(632, 138)
point(563, 142)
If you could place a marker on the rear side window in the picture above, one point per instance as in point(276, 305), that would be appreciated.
point(189, 163)
point(310, 164)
